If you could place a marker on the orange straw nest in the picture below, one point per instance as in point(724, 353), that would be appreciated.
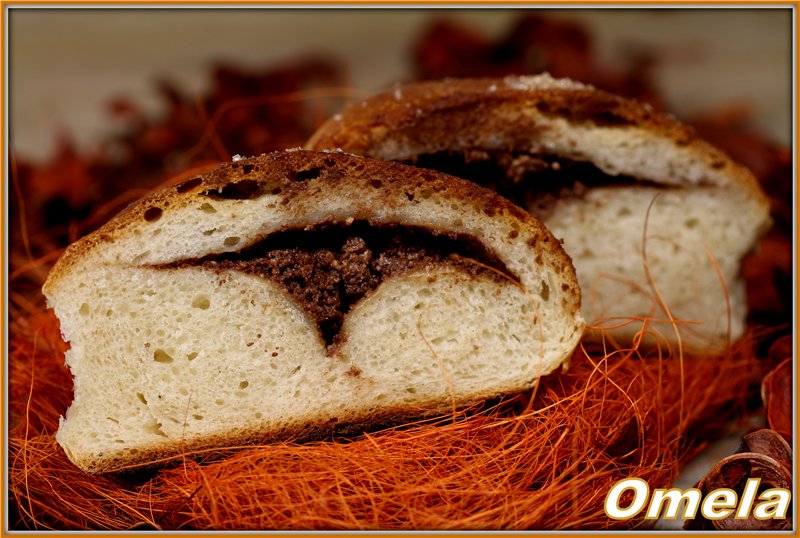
point(544, 459)
point(540, 460)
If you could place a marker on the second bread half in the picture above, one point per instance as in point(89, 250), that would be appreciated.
point(656, 220)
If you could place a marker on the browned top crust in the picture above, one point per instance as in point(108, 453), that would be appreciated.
point(354, 129)
point(511, 114)
point(303, 179)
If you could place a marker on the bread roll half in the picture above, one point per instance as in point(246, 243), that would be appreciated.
point(594, 167)
point(298, 293)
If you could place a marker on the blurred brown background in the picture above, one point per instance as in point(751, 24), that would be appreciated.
point(67, 64)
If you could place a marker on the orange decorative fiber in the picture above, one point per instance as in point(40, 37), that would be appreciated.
point(544, 459)
point(540, 460)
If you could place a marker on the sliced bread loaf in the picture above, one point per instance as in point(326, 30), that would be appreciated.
point(296, 293)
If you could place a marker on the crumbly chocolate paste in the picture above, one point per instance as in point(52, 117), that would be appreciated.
point(532, 181)
point(327, 269)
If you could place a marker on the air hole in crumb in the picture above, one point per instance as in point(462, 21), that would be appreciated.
point(691, 223)
point(186, 186)
point(209, 232)
point(246, 189)
point(311, 173)
point(153, 214)
point(258, 415)
point(84, 311)
point(192, 356)
point(154, 428)
point(623, 212)
point(197, 417)
point(376, 183)
point(162, 356)
point(545, 293)
point(411, 390)
point(219, 401)
point(115, 421)
point(202, 302)
point(231, 241)
point(141, 398)
point(208, 208)
point(244, 384)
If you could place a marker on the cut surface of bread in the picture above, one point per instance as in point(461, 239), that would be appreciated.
point(656, 220)
point(296, 293)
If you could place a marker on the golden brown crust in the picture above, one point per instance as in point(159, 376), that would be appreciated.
point(434, 113)
point(359, 127)
point(288, 172)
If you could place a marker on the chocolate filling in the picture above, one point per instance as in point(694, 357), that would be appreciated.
point(327, 269)
point(532, 181)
